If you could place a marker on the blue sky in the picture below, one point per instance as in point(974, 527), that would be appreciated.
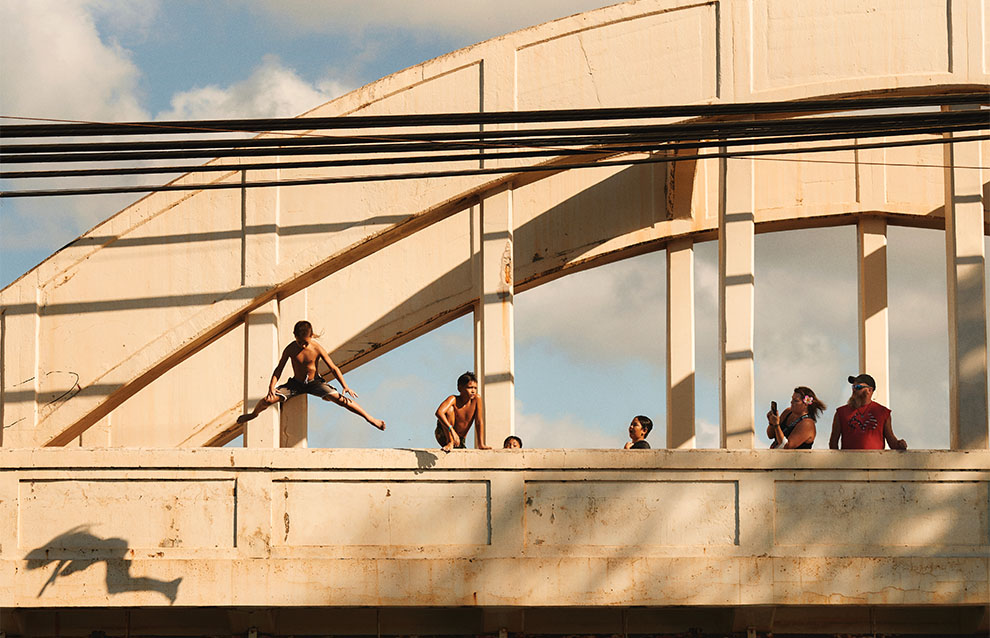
point(577, 384)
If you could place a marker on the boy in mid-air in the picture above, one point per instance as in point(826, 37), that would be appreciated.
point(305, 353)
point(456, 414)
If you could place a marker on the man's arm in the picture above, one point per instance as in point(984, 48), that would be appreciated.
point(479, 429)
point(893, 442)
point(833, 440)
point(334, 370)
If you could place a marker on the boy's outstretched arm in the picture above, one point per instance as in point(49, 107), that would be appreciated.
point(335, 371)
point(479, 430)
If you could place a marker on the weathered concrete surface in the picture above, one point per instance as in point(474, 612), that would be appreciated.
point(89, 352)
point(740, 530)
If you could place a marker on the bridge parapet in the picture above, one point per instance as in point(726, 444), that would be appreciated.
point(537, 528)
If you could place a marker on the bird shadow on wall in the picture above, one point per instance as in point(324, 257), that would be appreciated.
point(78, 549)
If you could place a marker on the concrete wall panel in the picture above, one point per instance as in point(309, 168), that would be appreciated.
point(796, 182)
point(381, 513)
point(848, 41)
point(196, 395)
point(871, 513)
point(674, 51)
point(316, 222)
point(652, 513)
point(115, 515)
point(913, 176)
point(419, 279)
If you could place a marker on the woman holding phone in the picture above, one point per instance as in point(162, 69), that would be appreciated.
point(794, 429)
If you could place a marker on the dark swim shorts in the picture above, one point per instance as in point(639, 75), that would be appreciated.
point(318, 387)
point(441, 434)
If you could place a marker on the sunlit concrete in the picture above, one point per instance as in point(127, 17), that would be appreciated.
point(533, 529)
point(94, 358)
point(542, 541)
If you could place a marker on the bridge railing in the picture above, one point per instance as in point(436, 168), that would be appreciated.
point(537, 528)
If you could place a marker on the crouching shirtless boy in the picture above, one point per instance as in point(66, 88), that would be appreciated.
point(305, 353)
point(456, 414)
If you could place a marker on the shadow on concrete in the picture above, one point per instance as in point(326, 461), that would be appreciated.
point(111, 551)
point(424, 460)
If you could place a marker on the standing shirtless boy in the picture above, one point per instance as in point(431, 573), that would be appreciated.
point(305, 353)
point(456, 414)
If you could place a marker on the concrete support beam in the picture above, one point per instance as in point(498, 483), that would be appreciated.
point(680, 345)
point(736, 302)
point(871, 244)
point(19, 374)
point(293, 415)
point(495, 332)
point(260, 357)
point(966, 287)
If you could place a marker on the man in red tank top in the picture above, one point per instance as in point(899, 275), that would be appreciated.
point(863, 424)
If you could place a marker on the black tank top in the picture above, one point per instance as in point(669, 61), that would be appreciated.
point(787, 429)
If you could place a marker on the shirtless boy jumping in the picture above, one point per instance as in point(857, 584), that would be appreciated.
point(456, 414)
point(305, 353)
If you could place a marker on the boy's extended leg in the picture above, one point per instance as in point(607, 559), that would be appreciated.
point(354, 407)
point(258, 408)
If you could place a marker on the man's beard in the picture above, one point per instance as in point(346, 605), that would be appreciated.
point(857, 401)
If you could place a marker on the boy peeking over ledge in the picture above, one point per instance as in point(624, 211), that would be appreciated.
point(639, 429)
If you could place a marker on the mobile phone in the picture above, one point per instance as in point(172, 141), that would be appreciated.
point(773, 407)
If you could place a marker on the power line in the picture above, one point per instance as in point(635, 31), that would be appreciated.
point(603, 143)
point(493, 118)
point(475, 156)
point(544, 168)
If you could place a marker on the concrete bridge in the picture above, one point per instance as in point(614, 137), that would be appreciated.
point(356, 542)
point(147, 517)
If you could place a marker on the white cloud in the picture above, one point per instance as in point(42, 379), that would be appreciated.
point(63, 68)
point(272, 90)
point(568, 431)
point(611, 313)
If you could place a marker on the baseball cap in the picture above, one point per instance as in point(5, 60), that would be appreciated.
point(865, 379)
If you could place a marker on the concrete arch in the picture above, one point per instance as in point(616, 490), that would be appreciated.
point(213, 277)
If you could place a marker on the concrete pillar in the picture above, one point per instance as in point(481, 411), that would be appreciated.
point(259, 261)
point(494, 318)
point(19, 336)
point(294, 414)
point(261, 351)
point(736, 302)
point(680, 345)
point(966, 286)
point(871, 243)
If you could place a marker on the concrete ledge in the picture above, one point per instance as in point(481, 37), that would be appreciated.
point(532, 529)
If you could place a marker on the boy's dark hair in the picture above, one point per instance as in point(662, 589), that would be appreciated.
point(512, 437)
point(302, 329)
point(646, 423)
point(465, 379)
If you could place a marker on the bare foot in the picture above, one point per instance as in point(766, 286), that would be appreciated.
point(447, 448)
point(244, 418)
point(378, 423)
